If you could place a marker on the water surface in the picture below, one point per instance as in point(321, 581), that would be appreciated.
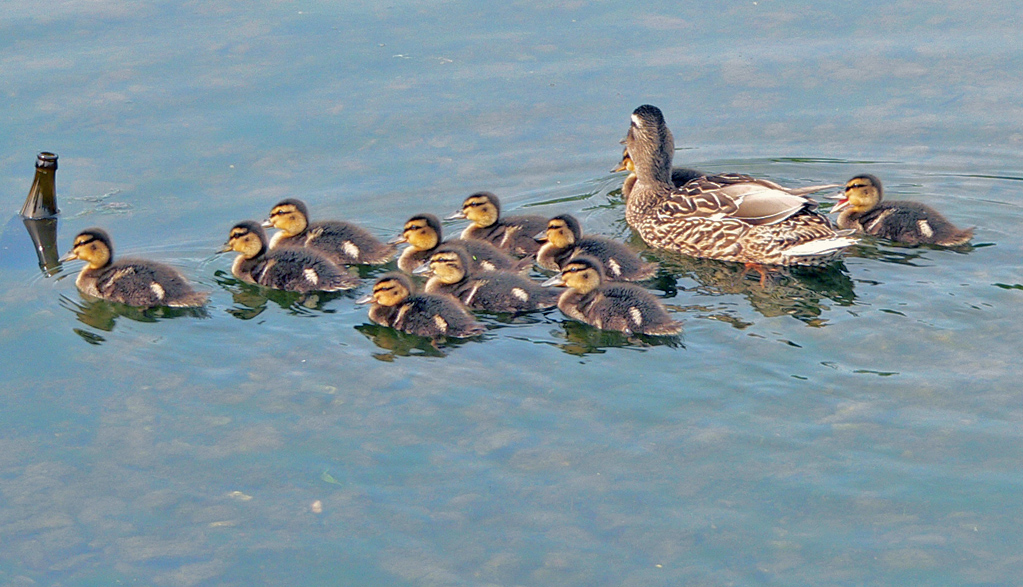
point(858, 425)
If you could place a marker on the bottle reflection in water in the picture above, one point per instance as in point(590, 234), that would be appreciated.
point(39, 213)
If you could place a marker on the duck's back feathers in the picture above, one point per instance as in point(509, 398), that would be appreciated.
point(429, 315)
point(499, 291)
point(910, 223)
point(343, 243)
point(485, 256)
point(620, 262)
point(512, 233)
point(294, 269)
point(620, 306)
point(142, 283)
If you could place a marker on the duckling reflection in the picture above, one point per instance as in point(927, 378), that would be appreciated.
point(290, 269)
point(861, 207)
point(343, 243)
point(251, 300)
point(133, 282)
point(394, 303)
point(508, 233)
point(396, 343)
point(103, 315)
point(423, 233)
point(450, 272)
point(610, 306)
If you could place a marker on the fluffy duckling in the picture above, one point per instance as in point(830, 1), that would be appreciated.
point(616, 306)
point(342, 242)
point(729, 217)
point(396, 305)
point(680, 176)
point(135, 282)
point(451, 273)
point(565, 240)
point(423, 234)
point(510, 233)
point(861, 208)
point(288, 268)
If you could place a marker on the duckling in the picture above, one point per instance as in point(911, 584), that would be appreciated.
point(861, 208)
point(511, 233)
point(396, 305)
point(288, 268)
point(680, 176)
point(342, 242)
point(452, 273)
point(423, 233)
point(617, 306)
point(565, 240)
point(135, 282)
point(729, 217)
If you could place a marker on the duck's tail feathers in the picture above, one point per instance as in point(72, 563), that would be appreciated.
point(821, 247)
point(812, 189)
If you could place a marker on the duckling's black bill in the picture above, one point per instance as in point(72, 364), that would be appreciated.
point(556, 280)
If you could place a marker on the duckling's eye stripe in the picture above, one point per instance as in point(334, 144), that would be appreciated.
point(85, 242)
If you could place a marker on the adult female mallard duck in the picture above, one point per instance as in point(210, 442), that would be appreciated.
point(861, 208)
point(565, 240)
point(423, 234)
point(395, 304)
point(135, 282)
point(680, 176)
point(729, 217)
point(342, 242)
point(288, 268)
point(509, 233)
point(610, 306)
point(451, 272)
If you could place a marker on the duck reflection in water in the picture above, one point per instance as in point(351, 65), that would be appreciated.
point(251, 300)
point(396, 343)
point(802, 293)
point(103, 315)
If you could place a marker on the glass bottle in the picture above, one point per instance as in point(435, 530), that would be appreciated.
point(42, 196)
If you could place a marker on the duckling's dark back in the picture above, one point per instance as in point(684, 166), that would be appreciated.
point(502, 291)
point(143, 283)
point(300, 270)
point(912, 223)
point(344, 243)
point(630, 308)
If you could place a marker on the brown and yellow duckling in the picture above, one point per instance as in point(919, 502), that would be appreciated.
point(423, 234)
point(509, 233)
point(565, 240)
point(342, 242)
point(288, 268)
point(729, 217)
point(610, 306)
point(451, 272)
point(861, 208)
point(135, 282)
point(680, 176)
point(395, 304)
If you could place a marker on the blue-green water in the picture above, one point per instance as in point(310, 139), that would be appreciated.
point(849, 427)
